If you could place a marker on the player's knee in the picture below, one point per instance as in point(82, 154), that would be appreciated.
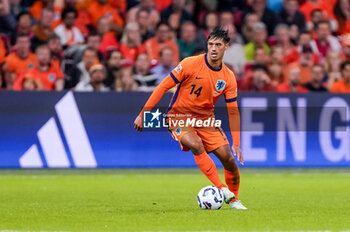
point(197, 147)
point(229, 163)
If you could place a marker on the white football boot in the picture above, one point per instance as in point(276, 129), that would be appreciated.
point(237, 205)
point(228, 195)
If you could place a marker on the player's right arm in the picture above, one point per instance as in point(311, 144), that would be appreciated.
point(155, 97)
point(175, 77)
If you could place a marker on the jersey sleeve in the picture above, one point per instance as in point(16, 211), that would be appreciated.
point(231, 89)
point(158, 93)
point(177, 75)
point(181, 71)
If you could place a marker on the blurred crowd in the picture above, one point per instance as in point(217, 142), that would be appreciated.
point(132, 45)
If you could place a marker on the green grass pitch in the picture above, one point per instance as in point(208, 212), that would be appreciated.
point(165, 200)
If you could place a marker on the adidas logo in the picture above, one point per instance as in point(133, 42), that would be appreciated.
point(51, 142)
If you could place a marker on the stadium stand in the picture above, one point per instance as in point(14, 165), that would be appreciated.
point(285, 46)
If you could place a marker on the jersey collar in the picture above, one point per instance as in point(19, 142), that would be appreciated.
point(211, 67)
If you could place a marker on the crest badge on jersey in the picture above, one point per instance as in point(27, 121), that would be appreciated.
point(178, 68)
point(178, 131)
point(52, 77)
point(30, 66)
point(220, 85)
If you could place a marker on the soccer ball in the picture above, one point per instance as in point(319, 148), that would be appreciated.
point(210, 197)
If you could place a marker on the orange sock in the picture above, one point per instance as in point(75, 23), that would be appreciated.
point(232, 180)
point(207, 166)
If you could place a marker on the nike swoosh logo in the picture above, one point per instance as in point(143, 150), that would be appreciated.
point(208, 170)
point(199, 78)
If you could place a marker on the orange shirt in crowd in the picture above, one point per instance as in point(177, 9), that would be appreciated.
point(47, 79)
point(37, 8)
point(41, 33)
point(131, 53)
point(343, 27)
point(293, 56)
point(326, 6)
point(340, 87)
point(83, 5)
point(285, 88)
point(108, 42)
point(18, 65)
point(2, 51)
point(121, 5)
point(305, 72)
point(153, 47)
point(96, 11)
point(56, 63)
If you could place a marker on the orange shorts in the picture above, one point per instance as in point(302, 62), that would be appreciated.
point(212, 138)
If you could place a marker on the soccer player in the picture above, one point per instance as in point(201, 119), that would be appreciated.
point(200, 81)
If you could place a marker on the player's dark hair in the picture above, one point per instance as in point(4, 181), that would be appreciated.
point(219, 33)
point(67, 10)
point(344, 64)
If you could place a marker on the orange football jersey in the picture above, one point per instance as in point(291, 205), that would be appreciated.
point(200, 86)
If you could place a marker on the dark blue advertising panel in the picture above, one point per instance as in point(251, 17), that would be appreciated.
point(95, 130)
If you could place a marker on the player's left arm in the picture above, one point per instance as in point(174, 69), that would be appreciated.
point(234, 117)
point(234, 120)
